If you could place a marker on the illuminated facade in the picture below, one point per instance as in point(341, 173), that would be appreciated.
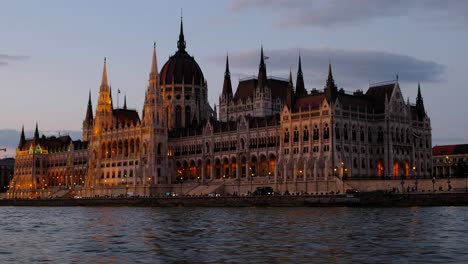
point(269, 132)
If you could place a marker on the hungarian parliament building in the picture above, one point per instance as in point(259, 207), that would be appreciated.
point(268, 132)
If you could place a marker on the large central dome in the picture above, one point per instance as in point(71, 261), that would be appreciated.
point(181, 66)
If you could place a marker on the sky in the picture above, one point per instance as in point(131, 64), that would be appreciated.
point(52, 52)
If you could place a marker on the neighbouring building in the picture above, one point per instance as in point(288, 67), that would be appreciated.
point(6, 173)
point(268, 131)
point(450, 161)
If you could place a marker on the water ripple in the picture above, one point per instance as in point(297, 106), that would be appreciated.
point(233, 235)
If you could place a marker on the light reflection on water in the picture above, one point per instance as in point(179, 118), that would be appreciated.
point(233, 235)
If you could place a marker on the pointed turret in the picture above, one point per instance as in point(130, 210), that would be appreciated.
point(36, 133)
point(330, 87)
point(22, 138)
point(262, 76)
point(89, 111)
point(181, 43)
point(420, 105)
point(300, 87)
point(290, 95)
point(154, 64)
point(125, 102)
point(110, 98)
point(227, 86)
point(104, 75)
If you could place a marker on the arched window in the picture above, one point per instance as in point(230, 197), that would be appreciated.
point(178, 116)
point(337, 132)
point(345, 132)
point(296, 135)
point(362, 135)
point(187, 116)
point(286, 136)
point(326, 132)
point(353, 135)
point(316, 133)
point(369, 135)
point(306, 134)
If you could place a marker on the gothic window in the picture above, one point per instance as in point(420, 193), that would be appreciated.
point(326, 132)
point(178, 116)
point(286, 136)
point(363, 163)
point(296, 135)
point(345, 132)
point(337, 132)
point(362, 135)
point(306, 134)
point(187, 116)
point(353, 133)
point(316, 133)
point(380, 136)
point(369, 135)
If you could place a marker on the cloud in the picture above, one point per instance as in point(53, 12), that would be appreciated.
point(5, 59)
point(334, 12)
point(351, 68)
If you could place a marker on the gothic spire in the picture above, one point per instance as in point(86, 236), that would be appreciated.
point(154, 63)
point(227, 86)
point(330, 81)
point(125, 102)
point(262, 77)
point(181, 42)
point(290, 94)
point(89, 110)
point(420, 104)
point(104, 75)
point(110, 97)
point(36, 133)
point(22, 138)
point(300, 87)
point(330, 87)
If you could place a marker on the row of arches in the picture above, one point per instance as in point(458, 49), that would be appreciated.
point(120, 148)
point(227, 167)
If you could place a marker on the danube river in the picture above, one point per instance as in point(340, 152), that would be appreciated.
point(233, 235)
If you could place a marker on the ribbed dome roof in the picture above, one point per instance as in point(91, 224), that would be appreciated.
point(181, 66)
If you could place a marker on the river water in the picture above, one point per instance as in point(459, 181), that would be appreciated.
point(233, 235)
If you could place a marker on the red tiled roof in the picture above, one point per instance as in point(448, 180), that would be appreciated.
point(443, 150)
point(450, 150)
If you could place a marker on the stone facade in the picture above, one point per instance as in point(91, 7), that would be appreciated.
point(270, 132)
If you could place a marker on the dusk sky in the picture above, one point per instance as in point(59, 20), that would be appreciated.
point(52, 52)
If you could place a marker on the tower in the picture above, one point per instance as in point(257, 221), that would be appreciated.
point(262, 95)
point(226, 96)
point(88, 121)
point(420, 105)
point(300, 88)
point(330, 86)
point(104, 109)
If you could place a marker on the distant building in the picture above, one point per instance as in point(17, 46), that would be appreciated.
point(45, 165)
point(450, 161)
point(6, 173)
point(269, 131)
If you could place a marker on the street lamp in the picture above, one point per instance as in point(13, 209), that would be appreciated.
point(181, 180)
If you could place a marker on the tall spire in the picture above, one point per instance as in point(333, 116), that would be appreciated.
point(110, 97)
point(89, 110)
point(300, 87)
point(330, 87)
point(181, 42)
point(330, 81)
point(104, 75)
point(154, 62)
point(290, 94)
point(420, 105)
point(227, 86)
point(22, 138)
point(125, 102)
point(262, 77)
point(36, 133)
